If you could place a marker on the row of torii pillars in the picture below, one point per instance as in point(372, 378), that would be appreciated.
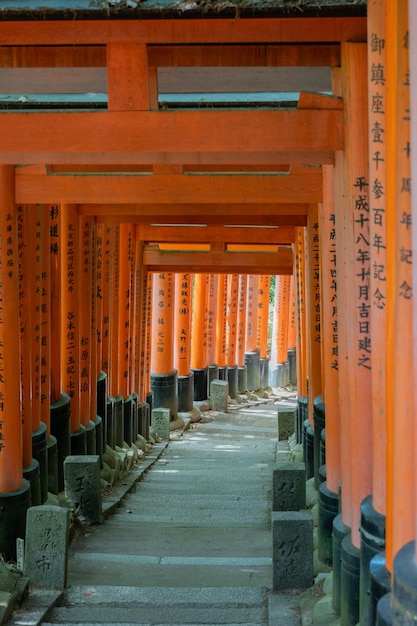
point(92, 342)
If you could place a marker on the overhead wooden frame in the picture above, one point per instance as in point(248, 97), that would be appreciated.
point(169, 136)
point(280, 262)
point(176, 31)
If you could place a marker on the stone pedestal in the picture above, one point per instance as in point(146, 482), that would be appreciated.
point(83, 486)
point(46, 546)
point(289, 487)
point(219, 393)
point(292, 550)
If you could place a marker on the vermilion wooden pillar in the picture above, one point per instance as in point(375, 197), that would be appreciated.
point(124, 330)
point(231, 332)
point(292, 337)
point(213, 367)
point(373, 574)
point(199, 336)
point(358, 320)
point(85, 337)
point(14, 490)
point(241, 334)
point(182, 341)
point(299, 289)
point(329, 490)
point(60, 400)
point(29, 342)
point(251, 351)
point(70, 320)
point(262, 328)
point(221, 311)
point(163, 374)
point(280, 330)
point(401, 435)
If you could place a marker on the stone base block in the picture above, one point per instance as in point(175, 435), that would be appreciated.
point(160, 421)
point(292, 550)
point(83, 486)
point(286, 423)
point(219, 392)
point(46, 546)
point(289, 487)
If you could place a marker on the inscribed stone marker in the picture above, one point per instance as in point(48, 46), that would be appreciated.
point(292, 550)
point(160, 422)
point(289, 487)
point(46, 550)
point(83, 485)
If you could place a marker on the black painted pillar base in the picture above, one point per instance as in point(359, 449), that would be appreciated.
point(323, 447)
point(301, 416)
point(254, 372)
point(40, 453)
point(31, 474)
point(292, 365)
point(308, 449)
point(328, 509)
point(150, 402)
point(212, 374)
point(319, 418)
point(52, 451)
point(110, 425)
point(128, 420)
point(135, 426)
point(186, 393)
point(340, 531)
point(143, 426)
point(222, 372)
point(379, 586)
point(13, 507)
point(98, 425)
point(242, 379)
point(118, 421)
point(102, 403)
point(372, 542)
point(232, 377)
point(79, 442)
point(90, 438)
point(350, 574)
point(264, 372)
point(384, 612)
point(61, 430)
point(200, 384)
point(404, 591)
point(165, 392)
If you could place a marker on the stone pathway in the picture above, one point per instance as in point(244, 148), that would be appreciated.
point(192, 544)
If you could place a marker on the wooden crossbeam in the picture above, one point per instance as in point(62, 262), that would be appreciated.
point(172, 189)
point(176, 31)
point(188, 55)
point(212, 234)
point(280, 262)
point(214, 215)
point(123, 137)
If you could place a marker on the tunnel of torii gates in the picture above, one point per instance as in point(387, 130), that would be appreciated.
point(137, 247)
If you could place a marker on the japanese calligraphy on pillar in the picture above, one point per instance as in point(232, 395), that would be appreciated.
point(45, 337)
point(404, 232)
point(85, 320)
point(8, 279)
point(315, 260)
point(232, 300)
point(183, 321)
point(241, 333)
point(377, 96)
point(332, 282)
point(362, 270)
point(106, 293)
point(70, 310)
point(211, 318)
point(36, 228)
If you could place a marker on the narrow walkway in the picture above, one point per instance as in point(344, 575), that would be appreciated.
point(192, 544)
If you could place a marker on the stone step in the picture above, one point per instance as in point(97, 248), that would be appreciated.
point(206, 518)
point(156, 605)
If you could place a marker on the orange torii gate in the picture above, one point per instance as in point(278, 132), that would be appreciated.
point(135, 167)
